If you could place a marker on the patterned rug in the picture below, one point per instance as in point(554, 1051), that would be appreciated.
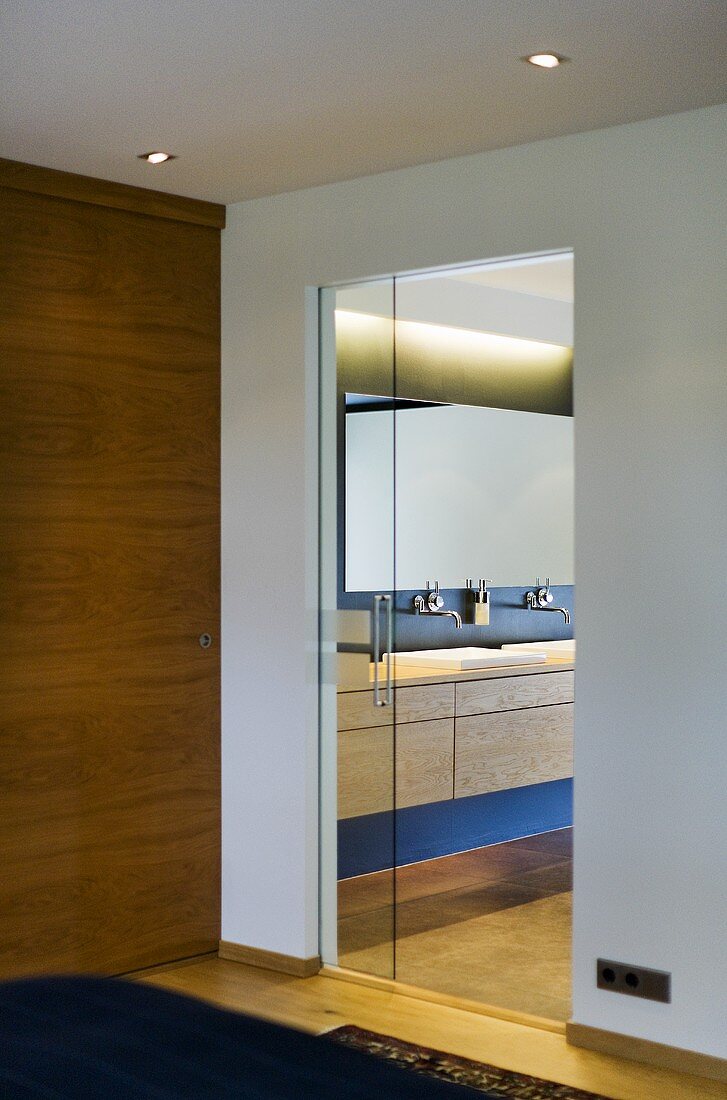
point(459, 1071)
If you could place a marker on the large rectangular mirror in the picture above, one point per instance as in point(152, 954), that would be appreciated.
point(482, 443)
point(479, 492)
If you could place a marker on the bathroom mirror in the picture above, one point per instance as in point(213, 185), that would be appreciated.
point(455, 436)
point(479, 492)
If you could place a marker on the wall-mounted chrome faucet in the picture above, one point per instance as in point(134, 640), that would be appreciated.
point(542, 598)
point(434, 605)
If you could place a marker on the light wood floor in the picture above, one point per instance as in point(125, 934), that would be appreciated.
point(321, 1003)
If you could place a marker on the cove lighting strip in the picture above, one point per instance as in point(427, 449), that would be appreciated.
point(432, 338)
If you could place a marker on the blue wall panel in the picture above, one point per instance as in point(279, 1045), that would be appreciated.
point(377, 841)
point(510, 620)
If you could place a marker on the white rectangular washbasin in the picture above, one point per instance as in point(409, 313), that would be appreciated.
point(564, 650)
point(467, 657)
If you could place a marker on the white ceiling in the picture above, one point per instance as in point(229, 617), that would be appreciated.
point(262, 96)
point(544, 276)
point(530, 297)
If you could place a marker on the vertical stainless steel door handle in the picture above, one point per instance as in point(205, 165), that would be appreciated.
point(378, 600)
point(389, 647)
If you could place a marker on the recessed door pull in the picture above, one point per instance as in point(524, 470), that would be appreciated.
point(205, 640)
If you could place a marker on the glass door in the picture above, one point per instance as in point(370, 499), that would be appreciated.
point(357, 626)
point(483, 506)
point(446, 491)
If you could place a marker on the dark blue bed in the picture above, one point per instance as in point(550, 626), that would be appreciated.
point(102, 1037)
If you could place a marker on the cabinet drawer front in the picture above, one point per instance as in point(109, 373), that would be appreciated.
point(365, 771)
point(424, 766)
point(495, 752)
point(418, 704)
point(424, 762)
point(514, 693)
point(356, 709)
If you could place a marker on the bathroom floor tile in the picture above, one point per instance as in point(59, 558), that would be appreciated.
point(498, 863)
point(366, 930)
point(516, 958)
point(559, 841)
point(365, 893)
point(492, 925)
point(428, 914)
point(443, 910)
point(557, 879)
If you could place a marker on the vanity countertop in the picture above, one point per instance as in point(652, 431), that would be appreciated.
point(349, 679)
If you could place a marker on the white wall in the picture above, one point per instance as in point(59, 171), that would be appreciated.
point(643, 207)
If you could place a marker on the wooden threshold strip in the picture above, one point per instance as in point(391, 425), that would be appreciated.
point(388, 985)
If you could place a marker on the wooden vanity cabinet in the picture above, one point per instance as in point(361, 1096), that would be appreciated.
point(513, 731)
point(356, 709)
point(424, 767)
point(541, 689)
point(515, 748)
point(454, 739)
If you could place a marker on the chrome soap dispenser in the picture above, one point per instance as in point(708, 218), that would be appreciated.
point(482, 603)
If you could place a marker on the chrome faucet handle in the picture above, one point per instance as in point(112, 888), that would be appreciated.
point(434, 600)
point(542, 593)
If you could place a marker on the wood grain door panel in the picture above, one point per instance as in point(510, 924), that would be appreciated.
point(109, 527)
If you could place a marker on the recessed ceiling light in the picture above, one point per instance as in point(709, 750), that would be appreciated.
point(545, 60)
point(156, 158)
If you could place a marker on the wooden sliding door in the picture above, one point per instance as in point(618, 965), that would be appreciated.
point(109, 549)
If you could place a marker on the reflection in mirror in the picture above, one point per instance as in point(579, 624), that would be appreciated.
point(478, 491)
point(480, 439)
